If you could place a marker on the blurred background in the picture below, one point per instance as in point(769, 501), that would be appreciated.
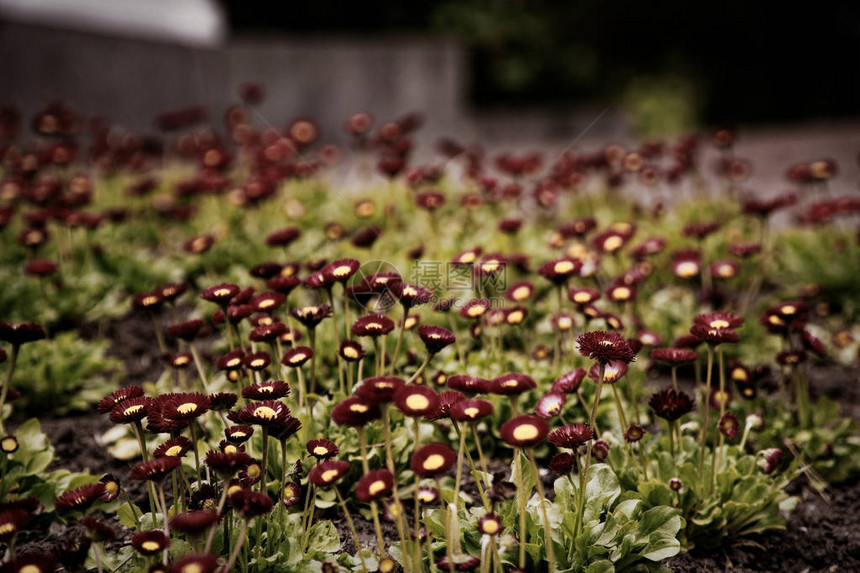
point(502, 70)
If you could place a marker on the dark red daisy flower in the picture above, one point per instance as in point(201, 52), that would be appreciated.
point(524, 431)
point(550, 405)
point(227, 465)
point(262, 413)
point(182, 406)
point(288, 428)
point(283, 284)
point(231, 361)
point(374, 485)
point(459, 562)
point(687, 341)
point(571, 436)
point(322, 449)
point(21, 333)
point(174, 447)
point(131, 410)
point(559, 271)
point(674, 356)
point(220, 294)
point(435, 338)
point(568, 383)
point(249, 503)
point(520, 291)
point(634, 433)
point(296, 356)
point(239, 433)
point(433, 460)
point(729, 426)
point(562, 463)
point(328, 472)
point(194, 523)
point(271, 390)
point(283, 237)
point(80, 498)
point(291, 493)
point(379, 389)
point(583, 296)
point(671, 404)
point(414, 400)
point(108, 402)
point(372, 325)
point(446, 399)
point(411, 295)
point(311, 316)
point(98, 530)
point(468, 384)
point(350, 351)
point(11, 520)
point(155, 469)
point(340, 270)
point(355, 411)
point(605, 347)
point(112, 488)
point(714, 335)
point(470, 410)
point(222, 401)
point(195, 564)
point(512, 384)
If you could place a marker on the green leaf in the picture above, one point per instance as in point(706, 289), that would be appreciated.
point(324, 537)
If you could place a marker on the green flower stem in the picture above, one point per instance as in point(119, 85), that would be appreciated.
point(351, 526)
point(457, 345)
point(308, 516)
point(312, 336)
point(193, 433)
point(346, 319)
point(430, 555)
point(225, 485)
point(164, 513)
point(377, 369)
point(13, 359)
point(521, 502)
point(240, 541)
point(420, 370)
point(706, 414)
point(399, 340)
point(449, 538)
point(302, 389)
point(474, 470)
point(389, 463)
point(583, 476)
point(620, 408)
point(675, 378)
point(669, 425)
point(374, 509)
point(722, 438)
point(556, 351)
point(416, 426)
point(550, 549)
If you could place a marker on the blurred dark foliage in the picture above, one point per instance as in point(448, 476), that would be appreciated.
point(748, 61)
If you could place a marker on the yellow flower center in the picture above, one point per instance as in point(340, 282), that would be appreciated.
point(149, 300)
point(582, 297)
point(472, 411)
point(739, 374)
point(222, 292)
point(342, 271)
point(410, 291)
point(563, 267)
point(7, 528)
point(254, 470)
point(410, 322)
point(622, 293)
point(320, 450)
point(515, 317)
point(298, 357)
point(417, 402)
point(469, 257)
point(476, 310)
point(525, 432)
point(490, 526)
point(434, 462)
point(350, 352)
point(266, 303)
point(359, 408)
point(151, 545)
point(719, 323)
point(265, 413)
point(173, 451)
point(426, 496)
point(613, 243)
point(192, 568)
point(521, 293)
point(687, 269)
point(490, 266)
point(330, 475)
point(131, 410)
point(376, 487)
point(230, 449)
point(564, 323)
point(186, 408)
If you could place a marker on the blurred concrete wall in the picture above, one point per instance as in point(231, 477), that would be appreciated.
point(131, 80)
